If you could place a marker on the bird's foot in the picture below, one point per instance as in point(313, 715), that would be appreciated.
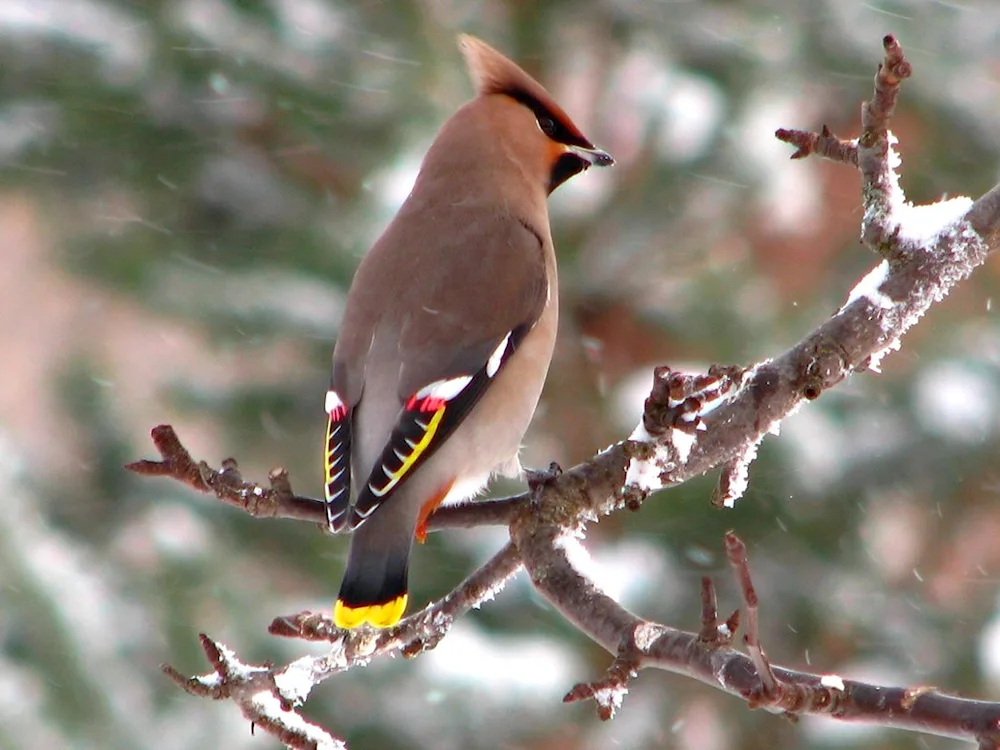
point(538, 478)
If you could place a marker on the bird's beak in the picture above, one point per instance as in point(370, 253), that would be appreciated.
point(594, 156)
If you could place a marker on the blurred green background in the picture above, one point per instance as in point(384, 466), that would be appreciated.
point(186, 190)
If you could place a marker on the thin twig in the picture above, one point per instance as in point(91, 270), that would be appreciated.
point(279, 501)
point(736, 553)
point(824, 144)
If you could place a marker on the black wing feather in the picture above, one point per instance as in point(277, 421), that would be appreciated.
point(423, 425)
point(337, 466)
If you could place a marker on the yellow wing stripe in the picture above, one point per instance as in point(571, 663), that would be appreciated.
point(378, 615)
point(411, 459)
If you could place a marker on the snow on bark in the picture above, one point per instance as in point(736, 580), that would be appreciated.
point(267, 705)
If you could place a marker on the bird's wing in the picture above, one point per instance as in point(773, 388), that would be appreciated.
point(426, 420)
point(337, 458)
point(457, 324)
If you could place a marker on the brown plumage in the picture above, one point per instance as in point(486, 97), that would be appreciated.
point(450, 323)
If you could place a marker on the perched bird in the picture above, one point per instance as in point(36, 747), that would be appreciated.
point(448, 331)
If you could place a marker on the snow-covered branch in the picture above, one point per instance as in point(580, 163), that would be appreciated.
point(690, 425)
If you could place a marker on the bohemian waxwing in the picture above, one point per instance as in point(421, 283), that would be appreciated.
point(449, 329)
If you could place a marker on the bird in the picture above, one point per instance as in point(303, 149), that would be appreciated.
point(448, 330)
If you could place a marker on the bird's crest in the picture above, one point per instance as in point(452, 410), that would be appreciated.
point(493, 73)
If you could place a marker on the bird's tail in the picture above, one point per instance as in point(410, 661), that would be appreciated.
point(374, 589)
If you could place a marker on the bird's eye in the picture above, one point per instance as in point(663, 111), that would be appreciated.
point(547, 125)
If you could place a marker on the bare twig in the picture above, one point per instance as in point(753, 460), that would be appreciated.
point(736, 552)
point(715, 633)
point(709, 611)
point(609, 691)
point(878, 181)
point(470, 514)
point(278, 500)
point(824, 144)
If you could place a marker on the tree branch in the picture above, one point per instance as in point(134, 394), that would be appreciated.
point(927, 251)
point(268, 695)
point(640, 644)
point(278, 500)
point(690, 424)
point(275, 501)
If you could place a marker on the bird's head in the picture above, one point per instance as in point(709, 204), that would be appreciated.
point(522, 116)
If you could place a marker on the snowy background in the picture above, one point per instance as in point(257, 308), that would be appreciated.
point(185, 190)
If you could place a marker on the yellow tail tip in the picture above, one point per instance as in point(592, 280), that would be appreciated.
point(376, 615)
